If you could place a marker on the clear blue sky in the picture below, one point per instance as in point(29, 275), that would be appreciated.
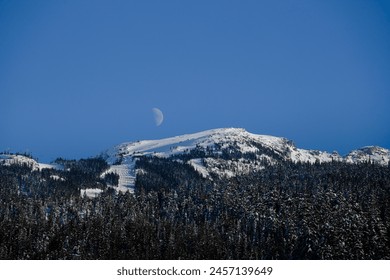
point(77, 77)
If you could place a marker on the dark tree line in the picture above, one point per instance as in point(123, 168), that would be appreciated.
point(285, 211)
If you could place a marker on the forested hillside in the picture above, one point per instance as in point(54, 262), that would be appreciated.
point(285, 211)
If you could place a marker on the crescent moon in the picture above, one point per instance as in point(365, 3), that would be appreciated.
point(158, 116)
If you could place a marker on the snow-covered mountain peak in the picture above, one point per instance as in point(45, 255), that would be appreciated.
point(238, 140)
point(373, 154)
point(215, 151)
point(372, 150)
point(210, 139)
point(10, 159)
point(228, 152)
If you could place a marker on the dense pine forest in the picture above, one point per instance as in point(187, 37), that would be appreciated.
point(284, 211)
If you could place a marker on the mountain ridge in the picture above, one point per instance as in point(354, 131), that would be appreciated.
point(182, 143)
point(221, 152)
point(227, 152)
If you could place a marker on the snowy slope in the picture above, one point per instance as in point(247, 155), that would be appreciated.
point(228, 152)
point(218, 139)
point(206, 139)
point(8, 159)
point(225, 152)
point(373, 154)
point(126, 174)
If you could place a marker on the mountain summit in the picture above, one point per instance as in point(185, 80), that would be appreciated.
point(226, 152)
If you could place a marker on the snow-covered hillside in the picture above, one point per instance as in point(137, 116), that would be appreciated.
point(8, 159)
point(214, 140)
point(224, 152)
point(373, 154)
point(227, 152)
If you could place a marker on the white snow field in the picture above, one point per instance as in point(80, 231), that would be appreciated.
point(217, 139)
